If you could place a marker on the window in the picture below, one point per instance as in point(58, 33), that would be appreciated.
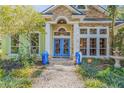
point(62, 31)
point(103, 31)
point(83, 31)
point(14, 44)
point(83, 46)
point(81, 7)
point(93, 31)
point(103, 46)
point(92, 46)
point(34, 37)
point(93, 41)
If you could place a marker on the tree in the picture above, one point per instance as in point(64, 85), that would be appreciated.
point(19, 19)
point(113, 13)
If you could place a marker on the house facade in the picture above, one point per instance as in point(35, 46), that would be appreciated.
point(68, 29)
point(71, 29)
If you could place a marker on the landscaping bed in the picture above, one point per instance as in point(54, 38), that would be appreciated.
point(16, 75)
point(101, 74)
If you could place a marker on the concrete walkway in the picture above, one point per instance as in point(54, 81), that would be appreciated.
point(58, 76)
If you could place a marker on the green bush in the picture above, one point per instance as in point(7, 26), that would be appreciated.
point(21, 73)
point(94, 83)
point(89, 70)
point(36, 73)
point(9, 82)
point(112, 76)
point(2, 73)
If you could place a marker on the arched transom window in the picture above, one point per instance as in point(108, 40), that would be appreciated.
point(62, 31)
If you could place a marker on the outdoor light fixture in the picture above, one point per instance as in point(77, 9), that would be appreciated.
point(89, 60)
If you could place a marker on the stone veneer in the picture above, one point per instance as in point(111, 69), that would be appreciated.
point(94, 12)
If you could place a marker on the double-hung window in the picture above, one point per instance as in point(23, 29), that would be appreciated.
point(34, 42)
point(14, 44)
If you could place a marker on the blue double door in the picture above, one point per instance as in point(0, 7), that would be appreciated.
point(61, 47)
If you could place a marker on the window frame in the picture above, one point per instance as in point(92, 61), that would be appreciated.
point(82, 9)
point(38, 54)
point(10, 50)
point(97, 36)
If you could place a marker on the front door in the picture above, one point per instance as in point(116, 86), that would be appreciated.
point(61, 47)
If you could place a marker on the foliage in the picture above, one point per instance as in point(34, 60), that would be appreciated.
point(113, 13)
point(19, 19)
point(109, 76)
point(21, 73)
point(89, 70)
point(94, 83)
point(25, 59)
point(112, 76)
point(2, 73)
point(119, 37)
point(8, 65)
point(9, 82)
point(36, 73)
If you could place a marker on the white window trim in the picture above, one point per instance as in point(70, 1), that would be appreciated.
point(86, 8)
point(12, 54)
point(39, 43)
point(97, 36)
point(15, 54)
point(64, 37)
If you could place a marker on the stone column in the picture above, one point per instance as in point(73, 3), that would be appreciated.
point(47, 38)
point(76, 38)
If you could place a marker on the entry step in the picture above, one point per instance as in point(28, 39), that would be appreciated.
point(61, 61)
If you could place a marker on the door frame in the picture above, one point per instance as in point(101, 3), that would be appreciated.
point(62, 37)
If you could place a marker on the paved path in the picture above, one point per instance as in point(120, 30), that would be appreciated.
point(58, 76)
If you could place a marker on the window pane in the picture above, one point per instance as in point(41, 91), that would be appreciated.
point(35, 50)
point(83, 51)
point(93, 31)
point(35, 43)
point(81, 7)
point(102, 51)
point(83, 31)
point(103, 46)
point(34, 39)
point(14, 50)
point(92, 42)
point(83, 43)
point(92, 51)
point(14, 44)
point(103, 43)
point(83, 46)
point(103, 31)
point(62, 31)
point(92, 46)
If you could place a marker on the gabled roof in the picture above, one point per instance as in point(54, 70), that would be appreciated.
point(75, 11)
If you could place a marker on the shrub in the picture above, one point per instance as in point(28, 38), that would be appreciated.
point(94, 83)
point(21, 73)
point(23, 83)
point(89, 70)
point(9, 82)
point(2, 73)
point(112, 76)
point(36, 73)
